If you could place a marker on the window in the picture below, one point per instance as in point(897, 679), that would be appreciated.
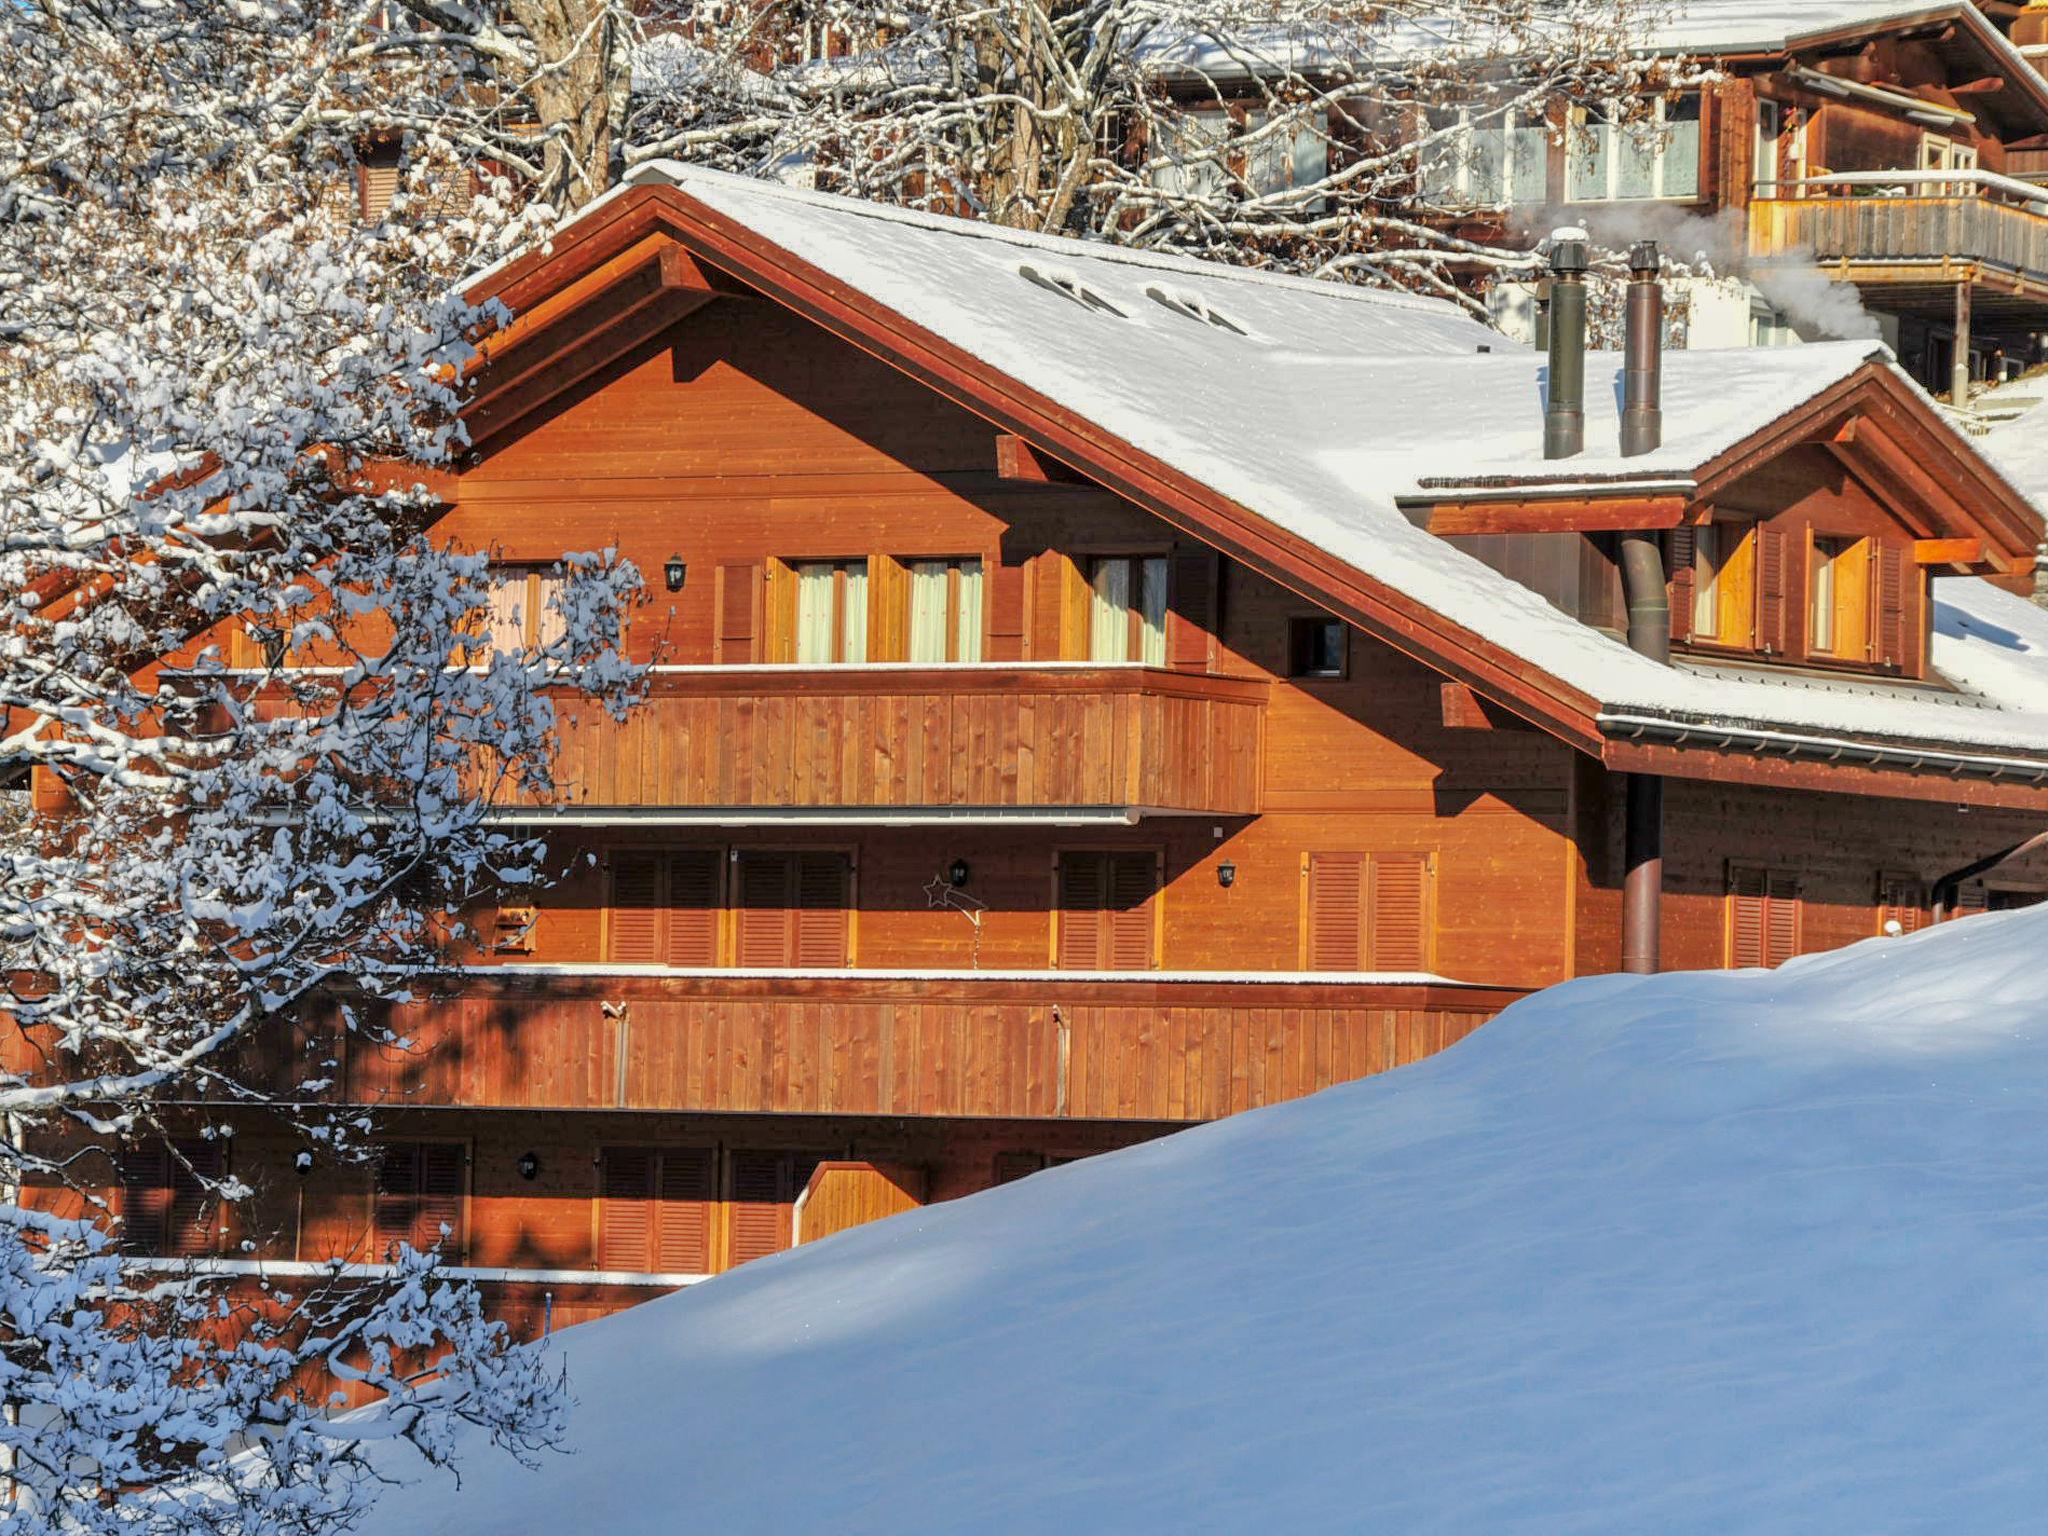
point(512, 927)
point(1368, 912)
point(168, 1206)
point(662, 908)
point(1713, 583)
point(1770, 129)
point(793, 908)
point(831, 611)
point(1765, 915)
point(1106, 911)
point(763, 1188)
point(521, 611)
point(1610, 161)
point(1904, 900)
point(1212, 153)
point(654, 1209)
point(1127, 613)
point(419, 1190)
point(1482, 160)
point(945, 610)
point(1012, 1166)
point(1317, 647)
point(1838, 606)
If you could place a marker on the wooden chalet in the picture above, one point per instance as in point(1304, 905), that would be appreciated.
point(1095, 692)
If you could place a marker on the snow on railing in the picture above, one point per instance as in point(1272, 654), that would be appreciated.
point(1983, 181)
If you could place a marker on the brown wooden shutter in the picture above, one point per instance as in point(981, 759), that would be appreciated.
point(395, 1204)
point(739, 588)
point(634, 916)
point(1083, 894)
point(145, 1199)
point(1681, 551)
point(1012, 1166)
point(823, 882)
point(1133, 879)
point(1005, 598)
point(191, 1222)
point(1191, 620)
point(1782, 916)
point(1400, 913)
point(1890, 629)
point(760, 1204)
point(625, 1209)
point(1772, 574)
point(1747, 892)
point(682, 1225)
point(1336, 905)
point(693, 877)
point(765, 897)
point(378, 184)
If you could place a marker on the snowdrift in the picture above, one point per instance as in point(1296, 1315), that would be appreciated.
point(1706, 1252)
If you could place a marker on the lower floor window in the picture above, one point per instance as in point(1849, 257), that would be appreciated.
point(168, 1205)
point(1107, 910)
point(419, 1198)
point(1368, 911)
point(1765, 916)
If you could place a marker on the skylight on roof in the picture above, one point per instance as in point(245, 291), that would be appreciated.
point(1194, 307)
point(1069, 286)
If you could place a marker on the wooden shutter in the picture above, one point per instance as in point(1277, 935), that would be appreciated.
point(760, 1204)
point(1772, 573)
point(1681, 549)
point(625, 1209)
point(765, 898)
point(1083, 895)
point(822, 889)
point(1012, 1166)
point(1399, 937)
point(1133, 879)
point(395, 1204)
point(1782, 919)
point(1191, 614)
point(145, 1199)
point(419, 1190)
point(191, 1220)
point(1336, 906)
point(682, 1222)
point(379, 184)
point(1889, 628)
point(1902, 899)
point(634, 918)
point(739, 587)
point(693, 879)
point(1747, 890)
point(1005, 619)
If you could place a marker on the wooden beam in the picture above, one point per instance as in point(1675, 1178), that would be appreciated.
point(1736, 766)
point(1017, 459)
point(1982, 85)
point(1593, 515)
point(1948, 551)
point(1464, 709)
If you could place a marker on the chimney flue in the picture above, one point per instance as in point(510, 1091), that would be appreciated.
point(1564, 409)
point(1642, 384)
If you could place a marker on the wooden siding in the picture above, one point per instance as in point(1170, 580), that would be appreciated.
point(1037, 1046)
point(1009, 737)
point(1877, 231)
point(844, 1194)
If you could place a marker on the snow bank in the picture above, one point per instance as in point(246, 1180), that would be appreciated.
point(1725, 1251)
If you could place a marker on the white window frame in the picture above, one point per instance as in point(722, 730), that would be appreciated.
point(1587, 131)
point(1456, 172)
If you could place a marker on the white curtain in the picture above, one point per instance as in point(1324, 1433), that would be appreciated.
point(928, 610)
point(969, 648)
point(1152, 613)
point(1109, 620)
point(856, 615)
point(814, 583)
point(508, 610)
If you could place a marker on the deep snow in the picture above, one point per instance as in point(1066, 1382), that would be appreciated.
point(1704, 1252)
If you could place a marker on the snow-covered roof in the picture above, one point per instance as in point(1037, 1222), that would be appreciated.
point(1774, 26)
point(1317, 406)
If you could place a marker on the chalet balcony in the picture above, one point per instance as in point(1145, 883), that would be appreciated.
point(1901, 230)
point(1150, 1046)
point(896, 743)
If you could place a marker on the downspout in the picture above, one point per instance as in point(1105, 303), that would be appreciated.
point(1564, 400)
point(1947, 887)
point(1649, 612)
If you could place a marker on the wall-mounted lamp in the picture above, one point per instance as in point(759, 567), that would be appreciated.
point(303, 1164)
point(1226, 874)
point(529, 1166)
point(957, 875)
point(674, 571)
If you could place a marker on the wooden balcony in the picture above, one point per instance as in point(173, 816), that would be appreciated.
point(1966, 233)
point(1005, 1045)
point(905, 743)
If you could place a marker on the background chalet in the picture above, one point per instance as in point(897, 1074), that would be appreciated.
point(1094, 692)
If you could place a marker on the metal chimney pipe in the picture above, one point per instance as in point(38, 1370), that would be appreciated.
point(1642, 381)
point(1564, 408)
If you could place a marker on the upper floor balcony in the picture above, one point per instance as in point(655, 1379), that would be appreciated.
point(907, 743)
point(1901, 229)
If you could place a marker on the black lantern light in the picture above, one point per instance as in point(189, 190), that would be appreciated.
point(529, 1166)
point(1226, 874)
point(957, 875)
point(674, 570)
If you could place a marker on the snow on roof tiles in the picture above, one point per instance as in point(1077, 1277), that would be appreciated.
point(1335, 401)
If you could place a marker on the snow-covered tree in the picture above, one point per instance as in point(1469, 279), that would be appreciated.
point(261, 712)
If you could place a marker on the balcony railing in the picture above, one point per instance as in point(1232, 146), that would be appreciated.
point(1083, 1045)
point(1908, 221)
point(897, 742)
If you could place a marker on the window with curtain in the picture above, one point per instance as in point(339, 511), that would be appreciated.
point(1659, 158)
point(521, 612)
point(945, 610)
point(1127, 613)
point(831, 611)
point(1487, 161)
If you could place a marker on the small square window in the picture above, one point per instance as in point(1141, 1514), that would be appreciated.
point(1316, 647)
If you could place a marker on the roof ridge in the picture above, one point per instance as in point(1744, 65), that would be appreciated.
point(677, 173)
